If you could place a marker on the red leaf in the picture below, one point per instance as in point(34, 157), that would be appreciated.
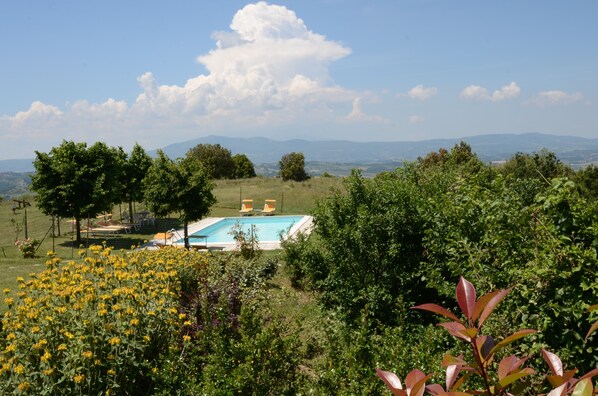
point(457, 329)
point(437, 309)
point(481, 303)
point(435, 390)
point(553, 361)
point(592, 329)
point(452, 372)
point(416, 382)
point(589, 374)
point(392, 382)
point(466, 297)
point(508, 364)
point(484, 345)
point(492, 304)
point(560, 391)
point(513, 337)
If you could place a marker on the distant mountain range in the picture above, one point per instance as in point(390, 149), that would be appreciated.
point(573, 150)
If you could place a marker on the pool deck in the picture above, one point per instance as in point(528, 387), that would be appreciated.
point(304, 226)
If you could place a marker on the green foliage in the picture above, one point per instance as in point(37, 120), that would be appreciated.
point(243, 167)
point(292, 167)
point(543, 165)
point(75, 181)
point(27, 247)
point(587, 180)
point(372, 239)
point(135, 168)
point(351, 352)
point(228, 346)
point(216, 160)
point(502, 378)
point(180, 186)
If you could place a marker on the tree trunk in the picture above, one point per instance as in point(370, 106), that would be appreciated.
point(130, 211)
point(186, 234)
point(78, 229)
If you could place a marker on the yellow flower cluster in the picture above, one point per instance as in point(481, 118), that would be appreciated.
point(100, 315)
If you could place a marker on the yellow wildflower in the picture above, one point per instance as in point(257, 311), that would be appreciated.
point(78, 378)
point(46, 356)
point(23, 386)
point(114, 341)
point(20, 369)
point(88, 354)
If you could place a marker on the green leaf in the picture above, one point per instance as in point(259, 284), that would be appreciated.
point(514, 376)
point(513, 337)
point(583, 388)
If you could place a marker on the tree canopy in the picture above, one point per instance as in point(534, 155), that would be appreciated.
point(178, 186)
point(215, 159)
point(77, 181)
point(292, 167)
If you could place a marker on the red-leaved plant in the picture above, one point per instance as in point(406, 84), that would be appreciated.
point(505, 381)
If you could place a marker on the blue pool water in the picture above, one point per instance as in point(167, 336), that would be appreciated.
point(268, 229)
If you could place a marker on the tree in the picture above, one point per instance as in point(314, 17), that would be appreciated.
point(215, 159)
point(135, 168)
point(182, 186)
point(292, 167)
point(587, 179)
point(75, 181)
point(243, 167)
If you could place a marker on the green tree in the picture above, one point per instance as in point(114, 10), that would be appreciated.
point(370, 249)
point(587, 180)
point(75, 181)
point(215, 159)
point(135, 167)
point(292, 167)
point(182, 186)
point(244, 168)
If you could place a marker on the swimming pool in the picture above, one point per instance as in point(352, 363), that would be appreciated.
point(268, 229)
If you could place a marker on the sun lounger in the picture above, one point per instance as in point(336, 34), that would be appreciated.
point(99, 231)
point(246, 207)
point(269, 207)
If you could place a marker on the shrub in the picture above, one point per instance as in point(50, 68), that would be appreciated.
point(27, 247)
point(99, 326)
point(502, 378)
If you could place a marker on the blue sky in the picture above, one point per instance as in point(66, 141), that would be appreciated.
point(158, 72)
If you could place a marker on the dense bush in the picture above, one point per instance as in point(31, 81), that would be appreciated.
point(99, 326)
point(168, 322)
point(407, 236)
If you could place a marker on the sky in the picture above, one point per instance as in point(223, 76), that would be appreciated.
point(160, 72)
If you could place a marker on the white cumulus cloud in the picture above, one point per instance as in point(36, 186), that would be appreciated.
point(476, 92)
point(553, 98)
point(268, 69)
point(420, 92)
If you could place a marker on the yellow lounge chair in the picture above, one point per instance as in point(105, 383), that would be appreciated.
point(246, 207)
point(269, 207)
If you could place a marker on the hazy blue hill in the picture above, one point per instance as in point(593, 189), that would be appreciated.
point(576, 151)
point(488, 147)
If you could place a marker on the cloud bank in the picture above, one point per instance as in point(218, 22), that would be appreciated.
point(268, 69)
point(476, 92)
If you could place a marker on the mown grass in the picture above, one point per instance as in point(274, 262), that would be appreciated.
point(291, 197)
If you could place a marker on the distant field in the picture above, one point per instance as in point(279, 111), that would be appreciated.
point(291, 198)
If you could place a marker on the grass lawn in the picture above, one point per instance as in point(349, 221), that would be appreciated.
point(291, 198)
